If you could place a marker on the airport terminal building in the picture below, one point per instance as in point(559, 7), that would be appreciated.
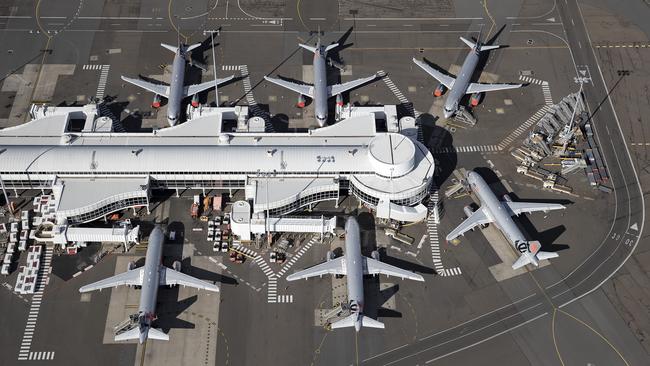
point(94, 171)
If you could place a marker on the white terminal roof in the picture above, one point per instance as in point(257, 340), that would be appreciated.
point(81, 192)
point(343, 147)
point(350, 147)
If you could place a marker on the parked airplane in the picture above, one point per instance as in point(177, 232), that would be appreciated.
point(499, 212)
point(176, 91)
point(354, 266)
point(320, 92)
point(462, 84)
point(149, 277)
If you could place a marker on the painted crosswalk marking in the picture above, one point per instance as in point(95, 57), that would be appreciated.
point(41, 355)
point(92, 67)
point(524, 126)
point(398, 94)
point(297, 256)
point(272, 290)
point(250, 99)
point(530, 80)
point(41, 281)
point(465, 149)
point(546, 89)
point(285, 298)
point(434, 241)
point(249, 252)
point(230, 67)
point(103, 77)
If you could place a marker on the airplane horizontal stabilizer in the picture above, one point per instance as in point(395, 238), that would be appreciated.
point(308, 48)
point(331, 47)
point(523, 260)
point(158, 334)
point(346, 322)
point(128, 335)
point(546, 255)
point(169, 47)
point(490, 47)
point(469, 43)
point(371, 323)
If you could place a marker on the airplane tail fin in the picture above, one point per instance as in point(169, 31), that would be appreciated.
point(357, 321)
point(534, 255)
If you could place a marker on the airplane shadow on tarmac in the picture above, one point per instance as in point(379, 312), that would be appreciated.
point(375, 296)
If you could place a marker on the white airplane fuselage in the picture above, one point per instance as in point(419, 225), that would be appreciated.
point(150, 282)
point(176, 88)
point(497, 211)
point(459, 89)
point(354, 269)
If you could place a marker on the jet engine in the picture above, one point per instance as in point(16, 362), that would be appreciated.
point(195, 101)
point(475, 99)
point(330, 255)
point(156, 101)
point(375, 255)
point(468, 210)
point(301, 101)
point(440, 90)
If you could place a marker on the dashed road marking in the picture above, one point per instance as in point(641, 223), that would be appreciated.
point(41, 281)
point(627, 45)
point(548, 98)
point(434, 241)
point(524, 126)
point(103, 77)
point(285, 298)
point(297, 256)
point(465, 149)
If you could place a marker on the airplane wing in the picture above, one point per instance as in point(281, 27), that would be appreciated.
point(340, 88)
point(477, 218)
point(197, 88)
point(129, 278)
point(307, 90)
point(517, 208)
point(480, 88)
point(334, 266)
point(171, 277)
point(154, 88)
point(372, 266)
point(445, 80)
